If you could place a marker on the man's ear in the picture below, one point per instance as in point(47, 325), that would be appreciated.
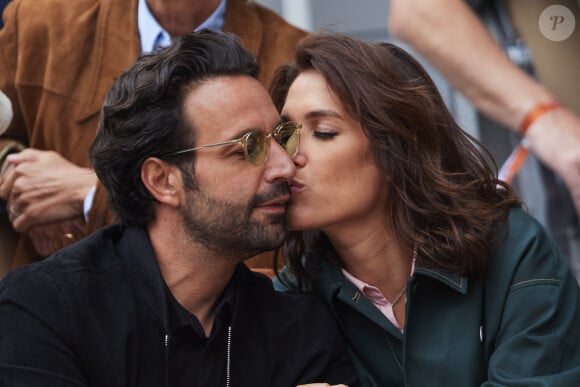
point(163, 181)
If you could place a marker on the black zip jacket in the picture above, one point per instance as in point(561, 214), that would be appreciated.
point(98, 313)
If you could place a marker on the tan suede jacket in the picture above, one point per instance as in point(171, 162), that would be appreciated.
point(59, 57)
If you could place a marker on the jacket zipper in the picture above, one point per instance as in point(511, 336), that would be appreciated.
point(166, 344)
point(229, 356)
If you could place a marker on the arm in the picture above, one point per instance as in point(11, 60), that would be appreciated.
point(537, 344)
point(532, 313)
point(445, 32)
point(33, 334)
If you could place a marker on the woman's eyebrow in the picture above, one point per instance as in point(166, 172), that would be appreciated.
point(322, 113)
point(316, 114)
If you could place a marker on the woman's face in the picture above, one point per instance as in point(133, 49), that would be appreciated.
point(337, 183)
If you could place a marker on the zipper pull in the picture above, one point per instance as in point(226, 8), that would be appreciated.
point(166, 345)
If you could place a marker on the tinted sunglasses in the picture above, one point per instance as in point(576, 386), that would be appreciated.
point(256, 143)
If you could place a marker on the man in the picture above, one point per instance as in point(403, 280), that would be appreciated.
point(197, 166)
point(58, 59)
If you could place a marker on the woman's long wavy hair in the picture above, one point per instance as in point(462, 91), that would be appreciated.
point(444, 196)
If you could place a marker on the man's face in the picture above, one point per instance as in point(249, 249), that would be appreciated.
point(238, 207)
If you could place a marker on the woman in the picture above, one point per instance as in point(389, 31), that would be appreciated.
point(434, 273)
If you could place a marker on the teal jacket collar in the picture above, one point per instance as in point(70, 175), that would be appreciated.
point(333, 285)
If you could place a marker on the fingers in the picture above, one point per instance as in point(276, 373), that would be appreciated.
point(13, 212)
point(7, 182)
point(28, 154)
point(44, 189)
point(29, 212)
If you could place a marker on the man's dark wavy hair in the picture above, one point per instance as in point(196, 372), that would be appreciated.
point(444, 196)
point(143, 116)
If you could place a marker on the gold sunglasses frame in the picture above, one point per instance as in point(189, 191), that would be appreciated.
point(243, 142)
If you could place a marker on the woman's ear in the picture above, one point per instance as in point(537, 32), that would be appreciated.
point(163, 181)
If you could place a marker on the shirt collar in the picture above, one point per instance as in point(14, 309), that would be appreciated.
point(369, 291)
point(180, 318)
point(152, 34)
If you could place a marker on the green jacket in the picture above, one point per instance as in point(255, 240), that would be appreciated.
point(517, 326)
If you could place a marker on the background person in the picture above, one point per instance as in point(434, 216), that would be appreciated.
point(197, 165)
point(435, 274)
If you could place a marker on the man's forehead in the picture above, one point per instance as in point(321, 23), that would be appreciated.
point(229, 104)
point(229, 90)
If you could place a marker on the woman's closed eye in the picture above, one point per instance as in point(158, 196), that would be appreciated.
point(325, 134)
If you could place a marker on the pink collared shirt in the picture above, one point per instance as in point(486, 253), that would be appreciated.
point(377, 297)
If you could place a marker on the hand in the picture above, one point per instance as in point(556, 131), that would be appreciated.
point(555, 139)
point(50, 237)
point(42, 187)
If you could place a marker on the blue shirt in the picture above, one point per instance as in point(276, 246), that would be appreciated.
point(154, 36)
point(3, 4)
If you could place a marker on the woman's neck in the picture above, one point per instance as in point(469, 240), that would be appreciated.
point(373, 255)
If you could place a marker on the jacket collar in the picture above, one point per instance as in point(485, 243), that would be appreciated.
point(453, 281)
point(334, 286)
point(348, 294)
point(136, 251)
point(331, 278)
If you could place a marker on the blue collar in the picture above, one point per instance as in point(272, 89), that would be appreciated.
point(153, 35)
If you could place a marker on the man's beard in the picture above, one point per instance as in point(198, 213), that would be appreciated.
point(228, 227)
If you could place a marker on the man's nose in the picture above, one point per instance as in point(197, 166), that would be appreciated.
point(279, 165)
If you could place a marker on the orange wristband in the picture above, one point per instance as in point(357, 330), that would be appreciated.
point(536, 113)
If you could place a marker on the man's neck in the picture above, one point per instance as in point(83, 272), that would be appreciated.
point(195, 275)
point(180, 17)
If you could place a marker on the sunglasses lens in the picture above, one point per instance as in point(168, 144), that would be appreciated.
point(257, 147)
point(288, 136)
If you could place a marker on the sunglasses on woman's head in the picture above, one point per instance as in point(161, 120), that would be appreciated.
point(256, 143)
